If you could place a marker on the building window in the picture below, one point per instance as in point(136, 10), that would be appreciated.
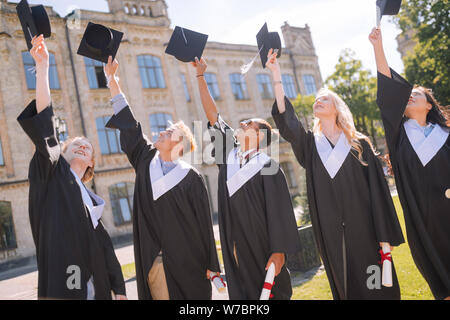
point(310, 84)
point(264, 86)
point(7, 234)
point(95, 73)
point(288, 170)
point(211, 81)
point(289, 86)
point(121, 196)
point(2, 162)
point(238, 86)
point(109, 138)
point(151, 72)
point(159, 123)
point(186, 90)
point(30, 76)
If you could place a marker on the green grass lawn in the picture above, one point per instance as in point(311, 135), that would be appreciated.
point(412, 284)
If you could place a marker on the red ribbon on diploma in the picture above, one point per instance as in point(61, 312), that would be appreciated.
point(269, 286)
point(384, 256)
point(216, 276)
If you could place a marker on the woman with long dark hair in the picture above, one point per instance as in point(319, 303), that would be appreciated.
point(417, 135)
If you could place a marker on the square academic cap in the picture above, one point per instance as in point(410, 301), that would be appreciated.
point(99, 42)
point(267, 40)
point(387, 8)
point(34, 21)
point(185, 44)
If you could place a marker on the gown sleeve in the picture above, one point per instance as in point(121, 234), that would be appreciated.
point(387, 226)
point(292, 130)
point(283, 233)
point(132, 140)
point(222, 138)
point(200, 201)
point(112, 264)
point(40, 129)
point(392, 98)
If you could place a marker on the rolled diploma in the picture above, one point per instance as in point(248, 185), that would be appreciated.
point(386, 278)
point(218, 282)
point(270, 276)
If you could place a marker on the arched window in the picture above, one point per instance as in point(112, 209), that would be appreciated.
point(7, 233)
point(158, 123)
point(121, 196)
point(310, 84)
point(109, 139)
point(29, 65)
point(126, 9)
point(211, 81)
point(186, 90)
point(264, 86)
point(151, 72)
point(238, 86)
point(95, 73)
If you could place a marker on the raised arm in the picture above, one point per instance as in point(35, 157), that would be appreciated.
point(208, 103)
point(273, 65)
point(40, 55)
point(377, 41)
point(132, 140)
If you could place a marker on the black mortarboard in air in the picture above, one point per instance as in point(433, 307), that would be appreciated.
point(34, 21)
point(387, 8)
point(185, 44)
point(99, 42)
point(267, 40)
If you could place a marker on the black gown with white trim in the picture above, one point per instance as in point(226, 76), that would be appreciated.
point(178, 222)
point(256, 220)
point(60, 223)
point(422, 178)
point(351, 213)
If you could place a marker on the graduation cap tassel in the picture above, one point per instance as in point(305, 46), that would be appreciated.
point(378, 15)
point(246, 67)
point(184, 36)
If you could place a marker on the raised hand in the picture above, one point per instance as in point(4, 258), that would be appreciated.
point(272, 62)
point(200, 66)
point(39, 51)
point(375, 37)
point(111, 67)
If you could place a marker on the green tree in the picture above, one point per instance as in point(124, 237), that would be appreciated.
point(357, 87)
point(303, 106)
point(428, 64)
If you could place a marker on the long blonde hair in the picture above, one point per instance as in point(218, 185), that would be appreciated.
point(344, 121)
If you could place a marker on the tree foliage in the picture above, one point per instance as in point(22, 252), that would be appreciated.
point(428, 63)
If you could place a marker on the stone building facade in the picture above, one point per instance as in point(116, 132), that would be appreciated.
point(82, 102)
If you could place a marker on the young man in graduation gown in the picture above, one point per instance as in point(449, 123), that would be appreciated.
point(417, 135)
point(75, 256)
point(174, 243)
point(351, 208)
point(256, 218)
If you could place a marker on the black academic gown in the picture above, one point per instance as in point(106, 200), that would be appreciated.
point(257, 220)
point(178, 223)
point(421, 189)
point(350, 213)
point(60, 223)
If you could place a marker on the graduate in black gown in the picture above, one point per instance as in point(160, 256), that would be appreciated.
point(75, 256)
point(256, 218)
point(352, 212)
point(417, 135)
point(174, 243)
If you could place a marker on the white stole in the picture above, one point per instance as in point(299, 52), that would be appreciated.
point(332, 158)
point(87, 195)
point(425, 147)
point(162, 183)
point(236, 176)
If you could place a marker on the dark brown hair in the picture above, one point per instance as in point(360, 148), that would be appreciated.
point(264, 125)
point(438, 114)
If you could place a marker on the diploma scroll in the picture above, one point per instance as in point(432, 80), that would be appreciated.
point(218, 282)
point(268, 283)
point(386, 260)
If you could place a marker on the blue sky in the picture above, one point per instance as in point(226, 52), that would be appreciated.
point(335, 24)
